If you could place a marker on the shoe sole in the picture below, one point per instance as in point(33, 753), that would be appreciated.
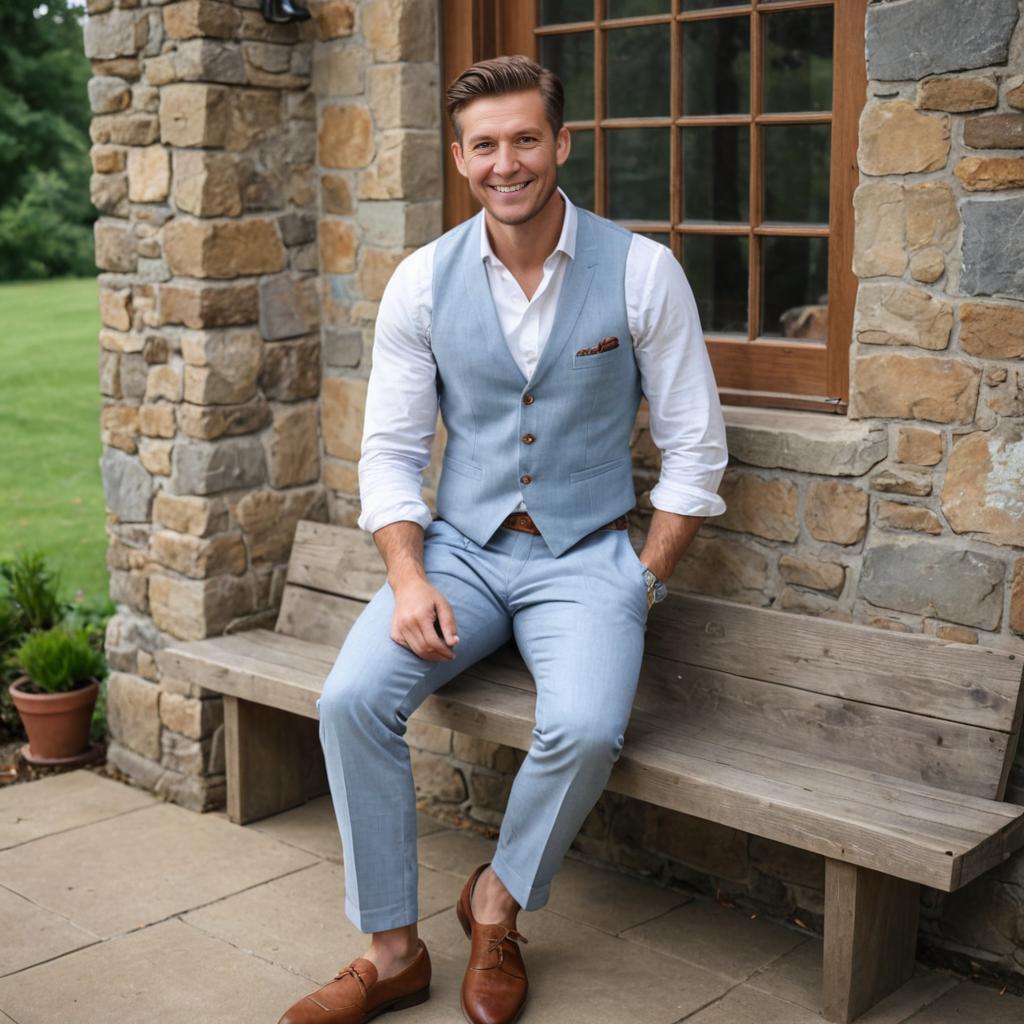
point(512, 1020)
point(401, 1003)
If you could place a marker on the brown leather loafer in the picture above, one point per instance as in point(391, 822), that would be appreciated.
point(356, 995)
point(494, 986)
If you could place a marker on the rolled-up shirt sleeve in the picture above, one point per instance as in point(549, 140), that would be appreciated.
point(686, 421)
point(401, 402)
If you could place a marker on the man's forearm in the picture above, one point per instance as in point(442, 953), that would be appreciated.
point(401, 545)
point(667, 539)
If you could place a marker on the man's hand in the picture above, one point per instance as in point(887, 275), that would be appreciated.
point(423, 620)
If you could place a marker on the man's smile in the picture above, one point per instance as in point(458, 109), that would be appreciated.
point(505, 189)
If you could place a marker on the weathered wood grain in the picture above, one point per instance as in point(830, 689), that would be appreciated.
point(337, 560)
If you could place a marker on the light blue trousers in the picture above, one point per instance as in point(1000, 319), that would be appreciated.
point(578, 621)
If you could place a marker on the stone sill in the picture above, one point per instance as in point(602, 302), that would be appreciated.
point(808, 442)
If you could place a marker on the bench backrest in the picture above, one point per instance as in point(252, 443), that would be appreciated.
point(906, 705)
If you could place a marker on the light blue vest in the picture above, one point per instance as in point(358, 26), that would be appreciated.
point(576, 474)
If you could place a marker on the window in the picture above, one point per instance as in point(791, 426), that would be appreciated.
point(726, 130)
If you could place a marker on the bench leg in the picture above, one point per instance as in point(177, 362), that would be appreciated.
point(870, 938)
point(273, 760)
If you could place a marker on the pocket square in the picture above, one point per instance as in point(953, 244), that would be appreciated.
point(604, 345)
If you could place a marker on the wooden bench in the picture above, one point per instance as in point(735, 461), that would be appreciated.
point(887, 753)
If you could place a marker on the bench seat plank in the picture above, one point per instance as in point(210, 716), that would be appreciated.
point(817, 806)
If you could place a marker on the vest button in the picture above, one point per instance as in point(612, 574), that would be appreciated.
point(525, 478)
point(528, 439)
point(527, 399)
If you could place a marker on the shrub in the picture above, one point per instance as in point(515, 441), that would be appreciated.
point(32, 593)
point(60, 659)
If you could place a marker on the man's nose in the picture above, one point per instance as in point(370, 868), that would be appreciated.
point(506, 161)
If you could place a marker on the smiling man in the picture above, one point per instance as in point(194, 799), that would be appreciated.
point(536, 328)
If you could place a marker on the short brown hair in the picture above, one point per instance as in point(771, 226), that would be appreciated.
point(503, 75)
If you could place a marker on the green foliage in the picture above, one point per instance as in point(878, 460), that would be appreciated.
point(32, 593)
point(45, 212)
point(60, 659)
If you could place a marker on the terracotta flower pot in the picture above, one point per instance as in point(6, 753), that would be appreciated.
point(57, 723)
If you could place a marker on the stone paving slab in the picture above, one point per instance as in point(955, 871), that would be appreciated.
point(579, 975)
point(299, 922)
point(60, 802)
point(30, 934)
point(170, 973)
point(745, 1005)
point(138, 868)
point(457, 852)
point(970, 1003)
point(717, 938)
point(313, 827)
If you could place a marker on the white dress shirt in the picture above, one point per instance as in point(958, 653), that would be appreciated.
point(675, 374)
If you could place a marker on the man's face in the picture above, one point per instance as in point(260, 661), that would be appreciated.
point(509, 155)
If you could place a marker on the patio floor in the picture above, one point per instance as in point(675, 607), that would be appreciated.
point(118, 907)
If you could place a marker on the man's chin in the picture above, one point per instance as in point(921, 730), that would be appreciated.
point(513, 218)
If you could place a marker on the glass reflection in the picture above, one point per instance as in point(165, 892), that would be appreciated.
point(717, 269)
point(794, 299)
point(639, 72)
point(716, 174)
point(637, 168)
point(716, 66)
point(571, 57)
point(796, 172)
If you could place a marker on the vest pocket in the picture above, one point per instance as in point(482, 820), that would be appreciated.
point(467, 469)
point(599, 470)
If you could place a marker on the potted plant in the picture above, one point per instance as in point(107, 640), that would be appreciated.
point(56, 695)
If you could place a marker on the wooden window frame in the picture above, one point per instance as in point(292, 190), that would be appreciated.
point(768, 372)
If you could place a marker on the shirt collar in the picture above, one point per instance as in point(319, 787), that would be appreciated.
point(566, 240)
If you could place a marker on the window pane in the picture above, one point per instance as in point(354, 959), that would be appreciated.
point(717, 268)
point(637, 169)
point(637, 8)
point(639, 68)
point(798, 60)
point(716, 66)
point(576, 176)
point(795, 288)
point(703, 5)
point(716, 174)
point(557, 12)
point(571, 57)
point(796, 172)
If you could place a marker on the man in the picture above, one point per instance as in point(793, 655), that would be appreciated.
point(536, 327)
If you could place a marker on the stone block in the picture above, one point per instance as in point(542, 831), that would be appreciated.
point(993, 247)
point(255, 115)
point(124, 129)
point(903, 480)
point(119, 426)
point(209, 422)
point(293, 446)
point(222, 367)
point(397, 224)
point(339, 71)
point(895, 314)
point(991, 331)
point(207, 60)
point(118, 341)
point(481, 752)
point(722, 567)
point(109, 95)
point(298, 228)
point(195, 115)
point(918, 446)
point(200, 18)
point(930, 37)
point(110, 374)
point(404, 95)
point(341, 476)
point(190, 716)
point(208, 468)
point(836, 512)
point(803, 602)
point(400, 30)
point(195, 609)
point(128, 488)
point(761, 506)
point(895, 515)
point(342, 348)
point(914, 387)
point(268, 519)
point(291, 370)
point(335, 19)
point(186, 513)
point(157, 420)
point(198, 557)
point(343, 401)
point(130, 589)
point(995, 131)
point(990, 174)
point(428, 737)
point(109, 194)
point(121, 33)
point(336, 197)
point(957, 95)
point(108, 159)
point(927, 266)
point(288, 307)
point(435, 777)
point(880, 233)
point(932, 216)
point(115, 308)
point(149, 174)
point(375, 269)
point(982, 492)
point(133, 713)
point(164, 381)
point(814, 573)
point(337, 247)
point(895, 138)
point(408, 166)
point(1017, 598)
point(115, 247)
point(1015, 93)
point(209, 305)
point(223, 249)
point(927, 578)
point(155, 456)
point(345, 136)
point(207, 184)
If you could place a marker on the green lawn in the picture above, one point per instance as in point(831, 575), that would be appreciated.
point(51, 496)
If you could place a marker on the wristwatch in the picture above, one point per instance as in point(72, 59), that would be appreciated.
point(656, 590)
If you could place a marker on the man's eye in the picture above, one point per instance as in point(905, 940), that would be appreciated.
point(481, 145)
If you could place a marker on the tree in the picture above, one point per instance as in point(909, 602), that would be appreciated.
point(45, 212)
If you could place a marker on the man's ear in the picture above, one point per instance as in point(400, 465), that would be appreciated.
point(460, 163)
point(563, 146)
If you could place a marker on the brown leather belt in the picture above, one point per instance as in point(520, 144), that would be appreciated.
point(524, 523)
